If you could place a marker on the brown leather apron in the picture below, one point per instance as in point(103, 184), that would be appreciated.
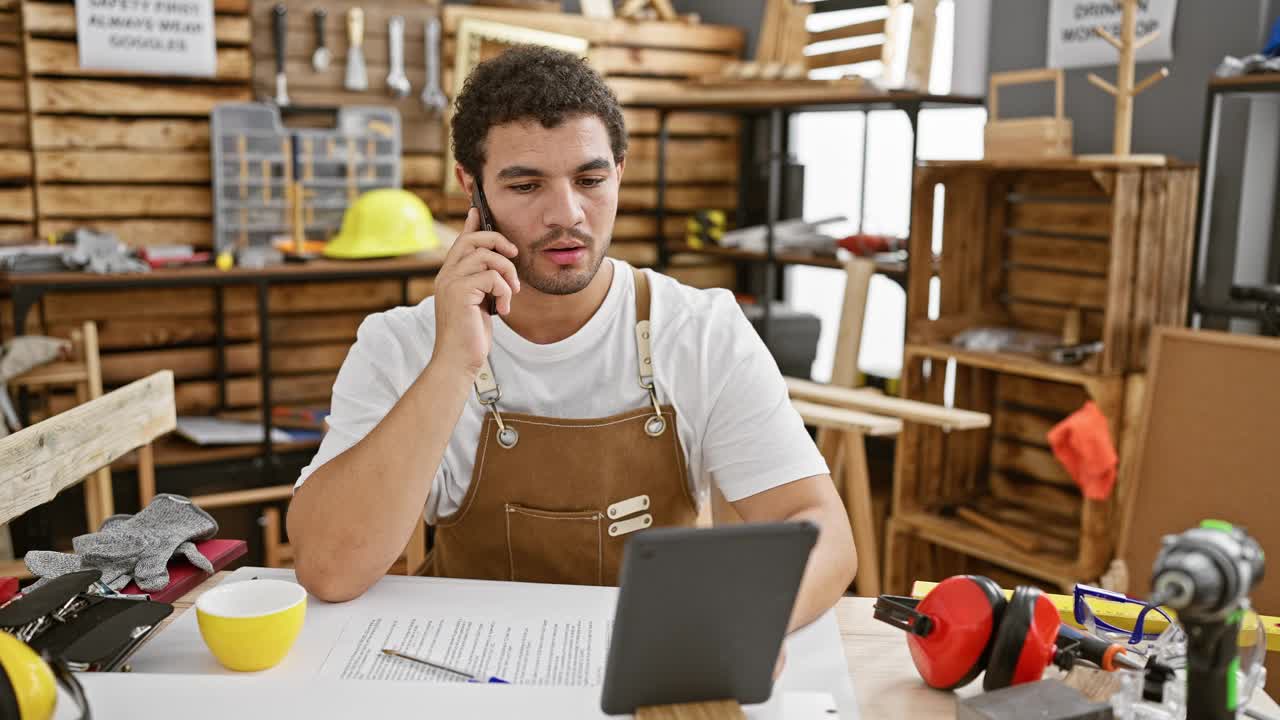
point(555, 500)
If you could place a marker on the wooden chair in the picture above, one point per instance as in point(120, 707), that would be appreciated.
point(41, 460)
point(83, 372)
point(845, 416)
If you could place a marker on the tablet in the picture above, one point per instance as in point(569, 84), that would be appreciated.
point(702, 613)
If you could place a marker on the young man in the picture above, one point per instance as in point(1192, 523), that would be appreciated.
point(598, 402)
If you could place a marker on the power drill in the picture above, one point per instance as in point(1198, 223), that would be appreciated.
point(1206, 574)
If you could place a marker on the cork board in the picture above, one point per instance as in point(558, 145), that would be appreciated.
point(1208, 448)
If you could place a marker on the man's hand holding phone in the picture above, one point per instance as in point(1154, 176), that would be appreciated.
point(478, 265)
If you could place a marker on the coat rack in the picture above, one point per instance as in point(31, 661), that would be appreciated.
point(1124, 90)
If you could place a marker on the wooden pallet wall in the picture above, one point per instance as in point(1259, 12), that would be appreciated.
point(634, 57)
point(17, 210)
point(126, 153)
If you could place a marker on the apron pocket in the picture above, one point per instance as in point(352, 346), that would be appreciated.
point(555, 547)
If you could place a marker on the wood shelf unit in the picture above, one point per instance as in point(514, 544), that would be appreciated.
point(1009, 465)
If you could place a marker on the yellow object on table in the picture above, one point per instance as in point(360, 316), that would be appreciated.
point(251, 625)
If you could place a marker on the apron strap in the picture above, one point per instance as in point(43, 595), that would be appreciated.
point(657, 424)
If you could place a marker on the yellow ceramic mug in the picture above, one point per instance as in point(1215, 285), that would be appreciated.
point(251, 625)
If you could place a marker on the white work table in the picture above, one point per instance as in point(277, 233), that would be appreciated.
point(870, 674)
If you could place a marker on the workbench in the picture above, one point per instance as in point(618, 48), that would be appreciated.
point(28, 289)
point(884, 679)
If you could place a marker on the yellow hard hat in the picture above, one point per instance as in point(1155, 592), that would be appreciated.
point(26, 683)
point(384, 223)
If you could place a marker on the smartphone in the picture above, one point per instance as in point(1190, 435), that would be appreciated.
point(479, 202)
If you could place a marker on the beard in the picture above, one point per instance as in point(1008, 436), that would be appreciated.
point(561, 280)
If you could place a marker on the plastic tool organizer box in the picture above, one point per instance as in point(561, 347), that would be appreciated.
point(257, 160)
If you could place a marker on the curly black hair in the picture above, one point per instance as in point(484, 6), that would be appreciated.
point(531, 82)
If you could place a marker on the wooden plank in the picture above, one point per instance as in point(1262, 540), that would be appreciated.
point(920, 244)
point(1051, 318)
point(149, 303)
point(10, 61)
point(315, 387)
point(1022, 425)
point(645, 227)
point(324, 357)
point(118, 333)
point(41, 460)
point(710, 38)
point(843, 419)
point(640, 254)
point(12, 95)
point(106, 97)
point(329, 327)
point(870, 27)
point(1053, 287)
point(701, 150)
point(682, 170)
point(634, 89)
point(201, 396)
point(67, 133)
point(241, 358)
point(16, 233)
point(656, 62)
point(1059, 185)
point(1059, 253)
point(1120, 276)
point(9, 29)
point(15, 165)
point(1147, 289)
point(1068, 218)
point(13, 130)
point(705, 275)
point(122, 166)
point(959, 535)
point(422, 170)
point(93, 201)
point(873, 402)
point(59, 57)
point(59, 20)
point(1055, 501)
point(686, 198)
point(1179, 238)
point(16, 203)
point(645, 122)
point(1031, 461)
point(141, 233)
point(1057, 398)
point(334, 296)
point(963, 233)
point(838, 58)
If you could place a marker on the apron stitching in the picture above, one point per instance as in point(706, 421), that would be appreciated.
point(474, 488)
point(599, 550)
point(680, 463)
point(646, 416)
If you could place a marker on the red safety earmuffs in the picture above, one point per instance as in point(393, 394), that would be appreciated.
point(964, 626)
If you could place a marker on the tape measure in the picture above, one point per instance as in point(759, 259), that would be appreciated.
point(1126, 614)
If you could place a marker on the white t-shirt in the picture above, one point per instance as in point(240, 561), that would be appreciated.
point(736, 423)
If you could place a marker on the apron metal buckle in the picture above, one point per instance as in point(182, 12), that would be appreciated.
point(657, 424)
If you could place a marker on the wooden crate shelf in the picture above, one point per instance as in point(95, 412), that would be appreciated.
point(1106, 248)
point(1006, 472)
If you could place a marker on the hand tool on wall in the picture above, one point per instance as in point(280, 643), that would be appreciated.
point(433, 98)
point(397, 83)
point(1206, 574)
point(356, 79)
point(278, 19)
point(319, 56)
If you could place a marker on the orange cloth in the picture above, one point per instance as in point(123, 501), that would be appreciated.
point(1082, 443)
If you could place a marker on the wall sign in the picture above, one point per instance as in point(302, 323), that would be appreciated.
point(1073, 43)
point(156, 37)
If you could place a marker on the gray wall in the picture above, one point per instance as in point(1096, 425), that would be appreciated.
point(1168, 117)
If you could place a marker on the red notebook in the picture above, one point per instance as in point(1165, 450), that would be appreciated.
point(183, 576)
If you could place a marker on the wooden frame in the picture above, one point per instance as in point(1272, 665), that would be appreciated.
point(474, 37)
point(1032, 137)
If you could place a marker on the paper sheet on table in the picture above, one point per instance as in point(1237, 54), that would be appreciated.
point(523, 650)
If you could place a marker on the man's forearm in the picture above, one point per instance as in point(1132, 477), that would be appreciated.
point(831, 566)
point(351, 519)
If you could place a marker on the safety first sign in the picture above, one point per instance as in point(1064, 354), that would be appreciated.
point(154, 37)
point(1073, 42)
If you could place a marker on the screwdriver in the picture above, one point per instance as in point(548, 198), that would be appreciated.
point(1106, 655)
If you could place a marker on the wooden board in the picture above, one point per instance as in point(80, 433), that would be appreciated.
point(59, 57)
point(141, 233)
point(13, 129)
point(15, 165)
point(1059, 253)
point(41, 460)
point(16, 203)
point(73, 132)
point(52, 19)
point(99, 201)
point(645, 122)
point(122, 166)
point(1068, 218)
point(106, 97)
point(1206, 448)
point(709, 38)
